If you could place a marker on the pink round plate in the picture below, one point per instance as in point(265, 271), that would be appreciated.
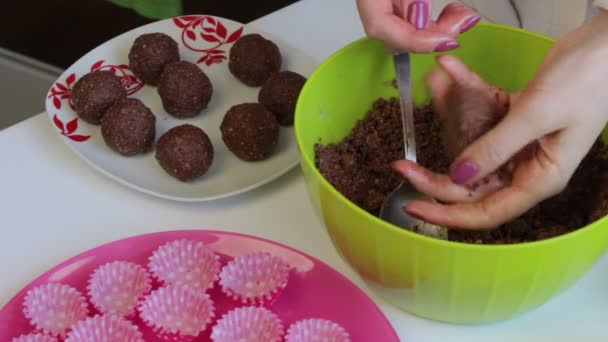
point(314, 289)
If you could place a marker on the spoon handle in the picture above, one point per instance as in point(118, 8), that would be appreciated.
point(404, 82)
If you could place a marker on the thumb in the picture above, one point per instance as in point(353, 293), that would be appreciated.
point(459, 72)
point(521, 126)
point(449, 70)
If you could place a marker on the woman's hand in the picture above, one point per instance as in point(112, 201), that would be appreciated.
point(548, 130)
point(405, 25)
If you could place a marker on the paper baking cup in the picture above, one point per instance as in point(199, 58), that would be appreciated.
point(105, 328)
point(316, 330)
point(35, 337)
point(177, 311)
point(255, 279)
point(53, 308)
point(251, 324)
point(117, 287)
point(185, 262)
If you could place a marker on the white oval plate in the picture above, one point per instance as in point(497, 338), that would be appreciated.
point(202, 39)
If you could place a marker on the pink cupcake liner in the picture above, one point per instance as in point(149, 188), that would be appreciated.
point(53, 308)
point(35, 337)
point(116, 287)
point(251, 324)
point(255, 279)
point(105, 328)
point(186, 262)
point(316, 330)
point(177, 312)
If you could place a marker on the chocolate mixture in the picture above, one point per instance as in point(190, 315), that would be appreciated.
point(149, 55)
point(129, 127)
point(184, 89)
point(359, 167)
point(185, 152)
point(94, 93)
point(280, 95)
point(253, 59)
point(250, 131)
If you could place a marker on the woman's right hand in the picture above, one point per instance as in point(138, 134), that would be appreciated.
point(405, 25)
point(550, 127)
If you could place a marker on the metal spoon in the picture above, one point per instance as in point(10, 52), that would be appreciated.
point(393, 207)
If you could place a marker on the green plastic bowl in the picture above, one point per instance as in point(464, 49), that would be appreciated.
point(440, 280)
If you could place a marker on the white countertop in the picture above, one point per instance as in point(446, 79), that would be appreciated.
point(54, 206)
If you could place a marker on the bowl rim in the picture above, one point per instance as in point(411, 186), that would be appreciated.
point(406, 233)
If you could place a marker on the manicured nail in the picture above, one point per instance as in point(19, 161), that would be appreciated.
point(448, 45)
point(464, 171)
point(418, 14)
point(469, 23)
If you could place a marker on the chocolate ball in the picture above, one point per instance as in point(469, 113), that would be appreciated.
point(129, 127)
point(253, 59)
point(184, 89)
point(94, 93)
point(185, 152)
point(149, 55)
point(250, 131)
point(280, 94)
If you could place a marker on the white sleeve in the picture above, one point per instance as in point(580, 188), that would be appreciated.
point(549, 17)
point(601, 4)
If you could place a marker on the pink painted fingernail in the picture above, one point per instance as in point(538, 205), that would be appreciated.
point(446, 46)
point(418, 14)
point(464, 171)
point(469, 23)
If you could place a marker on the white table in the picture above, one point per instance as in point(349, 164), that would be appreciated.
point(54, 206)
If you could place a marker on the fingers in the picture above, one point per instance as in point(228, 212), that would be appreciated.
point(494, 210)
point(456, 19)
point(450, 69)
point(522, 126)
point(383, 21)
point(439, 85)
point(459, 72)
point(441, 186)
point(416, 12)
point(401, 36)
point(543, 170)
point(435, 185)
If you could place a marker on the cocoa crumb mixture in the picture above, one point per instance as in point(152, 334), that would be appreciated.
point(359, 167)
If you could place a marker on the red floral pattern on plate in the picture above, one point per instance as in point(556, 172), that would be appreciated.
point(128, 80)
point(62, 91)
point(206, 34)
point(69, 128)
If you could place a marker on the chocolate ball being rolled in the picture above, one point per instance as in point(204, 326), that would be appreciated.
point(280, 94)
point(185, 152)
point(250, 131)
point(184, 89)
point(149, 55)
point(129, 127)
point(94, 93)
point(253, 59)
point(469, 113)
